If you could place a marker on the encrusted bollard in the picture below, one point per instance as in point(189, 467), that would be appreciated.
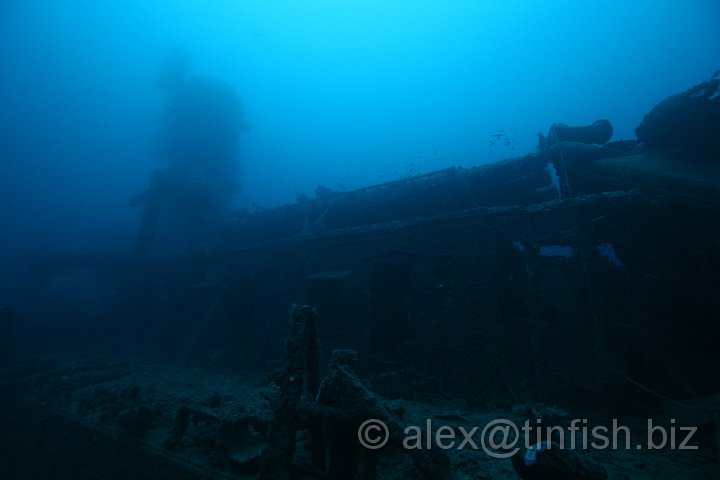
point(343, 389)
point(332, 412)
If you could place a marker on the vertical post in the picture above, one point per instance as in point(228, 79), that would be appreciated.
point(299, 372)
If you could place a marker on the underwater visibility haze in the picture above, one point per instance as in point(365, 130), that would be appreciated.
point(481, 207)
point(344, 94)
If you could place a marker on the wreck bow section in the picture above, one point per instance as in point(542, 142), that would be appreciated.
point(585, 276)
point(560, 276)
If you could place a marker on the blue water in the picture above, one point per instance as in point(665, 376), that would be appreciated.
point(337, 93)
point(576, 282)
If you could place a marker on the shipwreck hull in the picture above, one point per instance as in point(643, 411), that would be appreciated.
point(585, 277)
point(552, 298)
point(582, 279)
point(485, 283)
